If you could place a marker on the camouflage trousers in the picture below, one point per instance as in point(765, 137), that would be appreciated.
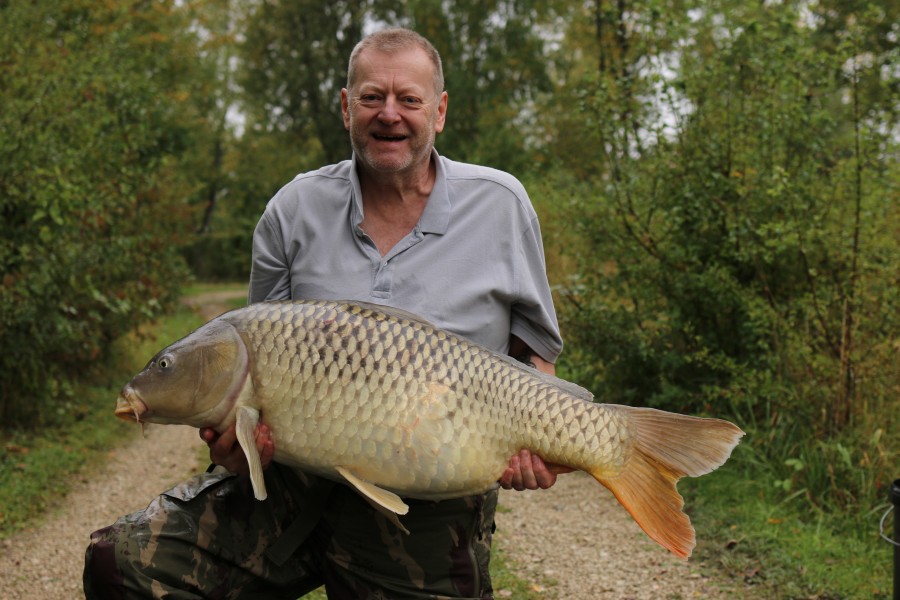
point(209, 538)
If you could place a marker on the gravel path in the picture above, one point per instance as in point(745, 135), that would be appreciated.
point(575, 541)
point(572, 542)
point(46, 562)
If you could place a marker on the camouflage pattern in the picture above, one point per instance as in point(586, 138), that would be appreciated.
point(209, 538)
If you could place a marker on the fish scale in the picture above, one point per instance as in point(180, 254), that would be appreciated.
point(381, 400)
point(407, 392)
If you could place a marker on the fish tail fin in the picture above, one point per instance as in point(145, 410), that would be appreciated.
point(667, 447)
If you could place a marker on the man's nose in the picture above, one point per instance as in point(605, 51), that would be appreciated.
point(390, 112)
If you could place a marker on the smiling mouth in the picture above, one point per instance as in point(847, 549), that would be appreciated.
point(388, 138)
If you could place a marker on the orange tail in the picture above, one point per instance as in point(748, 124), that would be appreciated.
point(667, 447)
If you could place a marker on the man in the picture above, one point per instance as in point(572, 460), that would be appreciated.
point(396, 225)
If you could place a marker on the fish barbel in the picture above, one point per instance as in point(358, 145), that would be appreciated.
point(381, 400)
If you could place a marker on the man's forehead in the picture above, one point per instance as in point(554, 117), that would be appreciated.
point(413, 63)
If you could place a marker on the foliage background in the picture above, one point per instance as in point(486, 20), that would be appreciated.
point(717, 183)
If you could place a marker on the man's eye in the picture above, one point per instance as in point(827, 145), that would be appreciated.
point(411, 100)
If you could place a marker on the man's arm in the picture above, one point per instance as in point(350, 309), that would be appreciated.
point(270, 279)
point(270, 273)
point(528, 471)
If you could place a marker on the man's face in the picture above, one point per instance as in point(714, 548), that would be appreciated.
point(392, 112)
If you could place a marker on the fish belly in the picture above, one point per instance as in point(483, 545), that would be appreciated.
point(409, 445)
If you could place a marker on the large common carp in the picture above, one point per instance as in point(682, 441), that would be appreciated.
point(383, 401)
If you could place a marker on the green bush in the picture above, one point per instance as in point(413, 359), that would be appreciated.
point(214, 257)
point(739, 255)
point(91, 216)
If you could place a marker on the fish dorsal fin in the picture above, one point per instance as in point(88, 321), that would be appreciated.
point(567, 386)
point(247, 418)
point(387, 503)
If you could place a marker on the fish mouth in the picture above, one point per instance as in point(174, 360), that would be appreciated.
point(129, 406)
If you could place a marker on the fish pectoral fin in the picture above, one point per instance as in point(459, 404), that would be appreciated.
point(387, 503)
point(247, 419)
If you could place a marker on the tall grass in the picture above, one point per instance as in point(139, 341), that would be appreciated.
point(779, 542)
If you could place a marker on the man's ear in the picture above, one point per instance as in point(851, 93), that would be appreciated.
point(441, 114)
point(345, 107)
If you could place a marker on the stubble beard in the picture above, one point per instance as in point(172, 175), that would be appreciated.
point(419, 151)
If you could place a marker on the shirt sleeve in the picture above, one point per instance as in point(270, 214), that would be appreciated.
point(270, 273)
point(533, 318)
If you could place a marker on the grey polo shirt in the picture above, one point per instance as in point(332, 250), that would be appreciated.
point(474, 264)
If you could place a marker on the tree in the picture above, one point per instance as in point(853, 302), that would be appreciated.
point(90, 115)
point(728, 204)
point(744, 215)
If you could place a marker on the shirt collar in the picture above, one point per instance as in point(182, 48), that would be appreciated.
point(435, 218)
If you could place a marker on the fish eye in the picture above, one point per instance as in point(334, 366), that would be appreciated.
point(165, 362)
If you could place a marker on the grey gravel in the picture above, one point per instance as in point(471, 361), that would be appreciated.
point(45, 562)
point(574, 541)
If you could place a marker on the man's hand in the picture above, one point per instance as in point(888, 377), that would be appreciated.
point(528, 471)
point(225, 451)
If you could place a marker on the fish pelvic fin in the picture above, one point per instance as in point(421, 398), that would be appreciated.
point(247, 419)
point(387, 503)
point(667, 447)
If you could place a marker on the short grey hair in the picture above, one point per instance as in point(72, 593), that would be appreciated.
point(394, 40)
